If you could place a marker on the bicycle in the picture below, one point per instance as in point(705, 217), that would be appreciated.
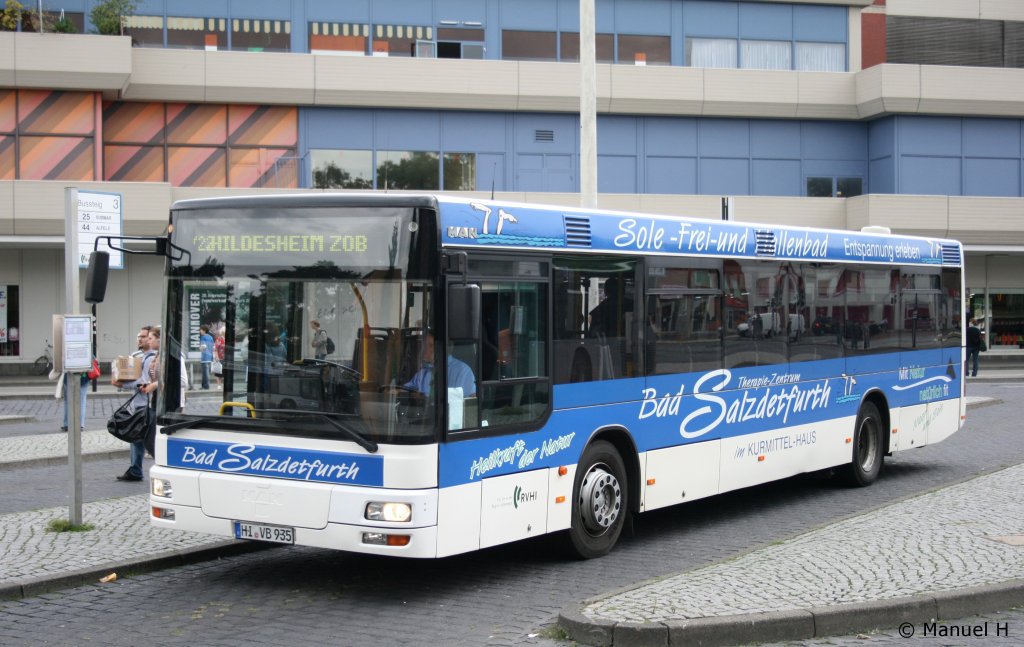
point(44, 363)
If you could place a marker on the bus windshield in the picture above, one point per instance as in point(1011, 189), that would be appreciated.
point(285, 320)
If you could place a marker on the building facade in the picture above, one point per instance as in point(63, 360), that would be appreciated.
point(833, 113)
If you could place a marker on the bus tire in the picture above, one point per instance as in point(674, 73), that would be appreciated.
point(868, 452)
point(599, 504)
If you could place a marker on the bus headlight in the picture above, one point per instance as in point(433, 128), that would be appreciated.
point(378, 511)
point(162, 487)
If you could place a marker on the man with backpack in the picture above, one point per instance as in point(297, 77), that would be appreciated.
point(322, 344)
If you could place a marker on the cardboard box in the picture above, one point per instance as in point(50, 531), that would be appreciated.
point(125, 369)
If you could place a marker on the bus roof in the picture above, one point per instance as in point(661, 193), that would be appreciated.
point(492, 224)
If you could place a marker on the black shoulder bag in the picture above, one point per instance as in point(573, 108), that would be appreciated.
point(127, 425)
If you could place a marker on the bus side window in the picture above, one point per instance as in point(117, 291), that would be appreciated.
point(595, 323)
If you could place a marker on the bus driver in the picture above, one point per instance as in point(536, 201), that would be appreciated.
point(459, 373)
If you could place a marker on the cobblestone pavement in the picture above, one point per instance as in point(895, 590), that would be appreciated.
point(971, 534)
point(32, 553)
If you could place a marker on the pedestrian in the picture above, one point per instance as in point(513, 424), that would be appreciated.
point(974, 342)
point(83, 395)
point(206, 344)
point(150, 388)
point(139, 400)
point(319, 341)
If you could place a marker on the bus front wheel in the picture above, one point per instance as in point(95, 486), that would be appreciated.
point(599, 505)
point(867, 457)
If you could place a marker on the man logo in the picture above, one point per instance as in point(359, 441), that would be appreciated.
point(519, 496)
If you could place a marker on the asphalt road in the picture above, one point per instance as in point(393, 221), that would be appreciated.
point(503, 596)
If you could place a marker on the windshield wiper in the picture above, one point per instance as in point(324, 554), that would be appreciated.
point(195, 422)
point(348, 431)
point(354, 435)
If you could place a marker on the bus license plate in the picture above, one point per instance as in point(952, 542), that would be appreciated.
point(260, 532)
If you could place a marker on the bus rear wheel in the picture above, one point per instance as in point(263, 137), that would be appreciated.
point(599, 505)
point(868, 452)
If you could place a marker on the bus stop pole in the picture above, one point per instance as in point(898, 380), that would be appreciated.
point(73, 385)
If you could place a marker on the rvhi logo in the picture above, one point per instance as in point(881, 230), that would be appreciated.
point(519, 496)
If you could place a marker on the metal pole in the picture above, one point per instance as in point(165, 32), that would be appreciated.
point(73, 390)
point(94, 345)
point(588, 106)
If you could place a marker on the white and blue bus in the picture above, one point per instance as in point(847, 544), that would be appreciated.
point(597, 365)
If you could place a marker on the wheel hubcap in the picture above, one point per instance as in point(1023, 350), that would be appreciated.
point(867, 445)
point(600, 500)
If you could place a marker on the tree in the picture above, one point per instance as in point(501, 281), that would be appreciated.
point(108, 16)
point(418, 172)
point(10, 15)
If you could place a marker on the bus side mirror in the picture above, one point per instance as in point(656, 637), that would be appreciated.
point(463, 312)
point(96, 277)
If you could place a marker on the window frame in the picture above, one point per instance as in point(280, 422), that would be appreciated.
point(452, 277)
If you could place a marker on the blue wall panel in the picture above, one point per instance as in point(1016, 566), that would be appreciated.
point(616, 174)
point(930, 175)
point(992, 138)
point(463, 10)
point(833, 140)
point(643, 17)
point(252, 9)
point(338, 128)
point(820, 24)
point(882, 176)
point(930, 136)
point(357, 11)
point(540, 15)
point(616, 135)
point(670, 137)
point(704, 18)
point(490, 172)
point(569, 16)
point(473, 131)
point(775, 177)
point(201, 8)
point(724, 176)
point(402, 12)
point(401, 130)
point(766, 21)
point(996, 177)
point(672, 175)
point(563, 126)
point(724, 137)
point(775, 139)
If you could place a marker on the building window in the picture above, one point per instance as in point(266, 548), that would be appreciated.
point(644, 50)
point(604, 44)
point(460, 43)
point(399, 40)
point(821, 57)
point(145, 31)
point(460, 172)
point(339, 39)
point(766, 55)
point(711, 52)
point(409, 170)
point(9, 317)
point(255, 35)
point(341, 169)
point(528, 45)
point(197, 33)
point(837, 187)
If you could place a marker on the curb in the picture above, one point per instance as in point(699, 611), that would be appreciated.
point(49, 461)
point(160, 561)
point(794, 624)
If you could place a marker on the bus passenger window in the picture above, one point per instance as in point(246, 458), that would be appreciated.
point(595, 320)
